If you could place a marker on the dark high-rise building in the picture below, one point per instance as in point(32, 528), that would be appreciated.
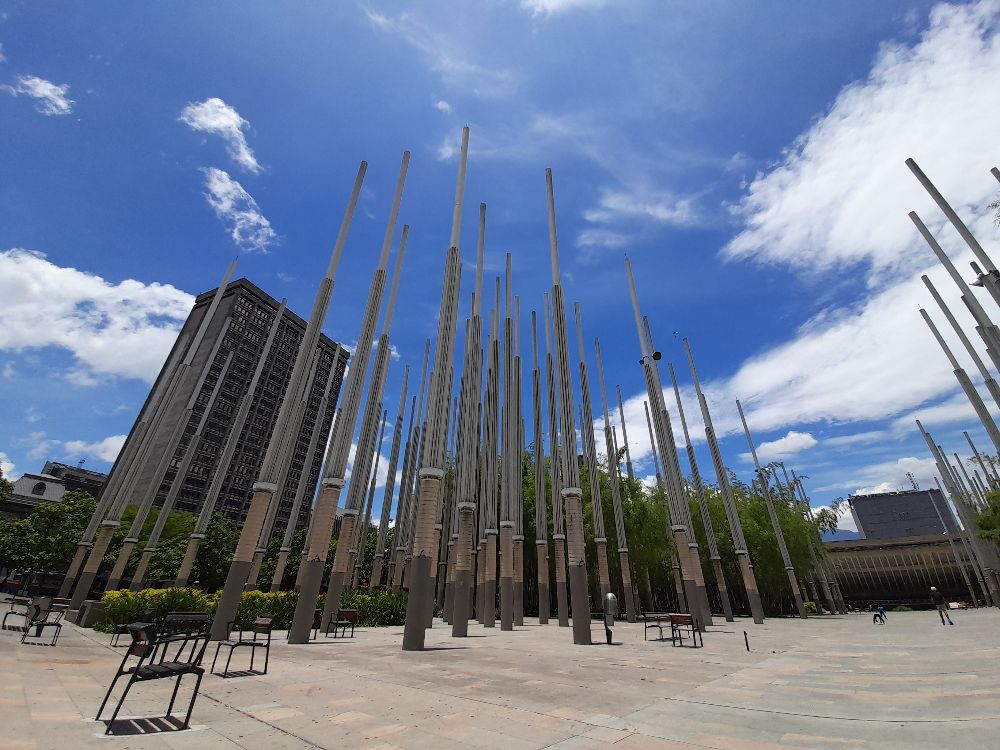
point(243, 319)
point(891, 515)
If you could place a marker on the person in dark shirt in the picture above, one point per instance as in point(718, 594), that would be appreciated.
point(879, 616)
point(941, 605)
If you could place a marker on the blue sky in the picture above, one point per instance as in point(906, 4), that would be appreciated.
point(747, 157)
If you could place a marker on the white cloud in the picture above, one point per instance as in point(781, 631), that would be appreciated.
point(642, 204)
point(885, 476)
point(845, 519)
point(445, 55)
point(7, 466)
point(841, 193)
point(792, 443)
point(32, 415)
point(443, 106)
point(552, 7)
point(50, 97)
point(106, 449)
point(215, 116)
point(237, 209)
point(8, 371)
point(3, 57)
point(39, 444)
point(124, 329)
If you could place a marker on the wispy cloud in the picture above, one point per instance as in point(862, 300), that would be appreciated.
point(443, 106)
point(218, 118)
point(553, 7)
point(237, 209)
point(444, 56)
point(50, 98)
point(7, 466)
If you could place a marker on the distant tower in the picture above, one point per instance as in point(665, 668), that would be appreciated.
point(913, 482)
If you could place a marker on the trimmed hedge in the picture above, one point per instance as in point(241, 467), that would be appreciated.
point(375, 609)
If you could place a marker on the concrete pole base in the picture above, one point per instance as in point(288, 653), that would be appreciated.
point(799, 604)
point(506, 603)
point(187, 563)
point(376, 579)
point(490, 603)
point(74, 567)
point(580, 603)
point(279, 570)
point(543, 604)
point(750, 584)
point(720, 581)
point(417, 603)
point(518, 603)
point(460, 602)
point(311, 576)
point(139, 577)
point(562, 604)
point(232, 592)
point(91, 566)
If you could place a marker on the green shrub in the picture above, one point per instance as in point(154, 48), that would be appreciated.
point(902, 608)
point(375, 609)
point(811, 608)
point(129, 606)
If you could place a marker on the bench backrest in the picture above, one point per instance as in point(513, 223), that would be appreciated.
point(682, 619)
point(348, 615)
point(263, 625)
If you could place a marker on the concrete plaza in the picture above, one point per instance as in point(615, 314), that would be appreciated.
point(827, 682)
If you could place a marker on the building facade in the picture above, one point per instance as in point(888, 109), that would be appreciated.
point(76, 478)
point(906, 513)
point(243, 319)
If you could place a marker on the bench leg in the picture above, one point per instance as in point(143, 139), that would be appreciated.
point(173, 695)
point(253, 653)
point(106, 696)
point(194, 695)
point(118, 707)
point(212, 670)
point(226, 670)
point(267, 656)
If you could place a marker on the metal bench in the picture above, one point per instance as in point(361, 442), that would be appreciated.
point(43, 613)
point(681, 623)
point(654, 620)
point(19, 606)
point(344, 618)
point(261, 627)
point(174, 649)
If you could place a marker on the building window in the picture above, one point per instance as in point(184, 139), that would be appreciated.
point(38, 489)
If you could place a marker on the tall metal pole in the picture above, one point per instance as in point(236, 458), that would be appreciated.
point(390, 486)
point(590, 457)
point(467, 445)
point(616, 499)
point(325, 508)
point(432, 471)
point(508, 447)
point(728, 500)
point(517, 468)
point(951, 545)
point(828, 582)
point(541, 505)
point(985, 327)
point(300, 491)
point(991, 385)
point(992, 477)
point(963, 379)
point(558, 523)
point(570, 470)
point(360, 541)
point(992, 276)
point(621, 421)
point(675, 562)
point(687, 546)
point(699, 490)
point(792, 580)
point(365, 450)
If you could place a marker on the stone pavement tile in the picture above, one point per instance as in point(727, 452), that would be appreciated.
point(645, 742)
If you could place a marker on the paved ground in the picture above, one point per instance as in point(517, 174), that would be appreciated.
point(835, 682)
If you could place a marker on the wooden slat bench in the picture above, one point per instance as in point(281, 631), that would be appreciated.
point(681, 623)
point(654, 620)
